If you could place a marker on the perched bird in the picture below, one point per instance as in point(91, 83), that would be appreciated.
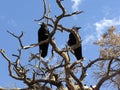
point(72, 41)
point(43, 33)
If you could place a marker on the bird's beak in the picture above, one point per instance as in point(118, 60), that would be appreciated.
point(78, 28)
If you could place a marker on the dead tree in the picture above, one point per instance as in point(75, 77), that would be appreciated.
point(62, 74)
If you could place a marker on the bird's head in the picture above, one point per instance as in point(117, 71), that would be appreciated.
point(42, 24)
point(76, 28)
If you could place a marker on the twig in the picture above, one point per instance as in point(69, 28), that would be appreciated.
point(18, 37)
point(109, 66)
point(10, 64)
point(103, 79)
point(44, 14)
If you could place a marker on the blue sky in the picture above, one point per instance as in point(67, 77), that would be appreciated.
point(19, 15)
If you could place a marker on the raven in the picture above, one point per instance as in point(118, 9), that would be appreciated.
point(72, 41)
point(43, 33)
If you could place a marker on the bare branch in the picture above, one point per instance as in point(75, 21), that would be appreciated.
point(74, 13)
point(109, 66)
point(44, 14)
point(93, 62)
point(10, 64)
point(61, 6)
point(85, 68)
point(18, 37)
point(77, 80)
point(103, 79)
point(36, 44)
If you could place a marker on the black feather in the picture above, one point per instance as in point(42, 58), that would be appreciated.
point(77, 51)
point(43, 33)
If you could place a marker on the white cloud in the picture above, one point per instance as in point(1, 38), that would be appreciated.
point(76, 4)
point(100, 28)
point(105, 23)
point(87, 39)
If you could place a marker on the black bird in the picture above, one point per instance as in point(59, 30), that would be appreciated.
point(43, 33)
point(72, 41)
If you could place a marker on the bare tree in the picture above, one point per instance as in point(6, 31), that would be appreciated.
point(64, 75)
point(109, 52)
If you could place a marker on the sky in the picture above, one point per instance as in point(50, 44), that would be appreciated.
point(19, 15)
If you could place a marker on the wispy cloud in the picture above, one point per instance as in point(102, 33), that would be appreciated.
point(100, 28)
point(88, 38)
point(105, 23)
point(100, 25)
point(76, 4)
